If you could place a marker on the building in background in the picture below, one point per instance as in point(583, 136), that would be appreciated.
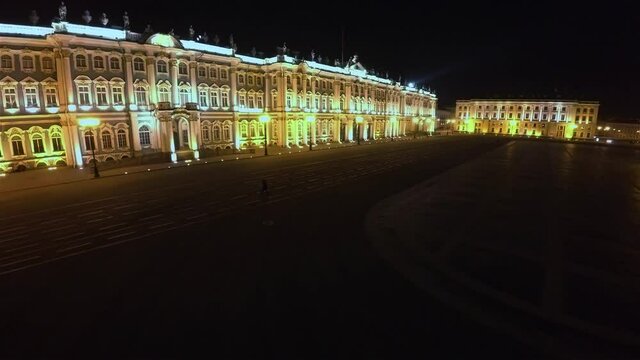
point(153, 93)
point(624, 132)
point(562, 119)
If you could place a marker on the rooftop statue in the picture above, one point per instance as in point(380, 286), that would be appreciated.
point(192, 33)
point(205, 38)
point(253, 51)
point(62, 11)
point(313, 55)
point(86, 16)
point(104, 20)
point(216, 39)
point(34, 18)
point(125, 21)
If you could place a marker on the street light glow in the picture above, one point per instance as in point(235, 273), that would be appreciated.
point(264, 118)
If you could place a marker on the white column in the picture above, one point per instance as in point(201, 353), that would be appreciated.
point(129, 71)
point(151, 78)
point(173, 72)
point(194, 84)
point(314, 129)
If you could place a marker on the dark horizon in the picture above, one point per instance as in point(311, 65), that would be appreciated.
point(511, 49)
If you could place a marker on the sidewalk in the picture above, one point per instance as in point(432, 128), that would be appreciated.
point(63, 175)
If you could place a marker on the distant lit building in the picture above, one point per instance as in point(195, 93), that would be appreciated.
point(566, 119)
point(154, 93)
point(623, 132)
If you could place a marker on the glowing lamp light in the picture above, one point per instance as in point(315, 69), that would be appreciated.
point(359, 119)
point(311, 118)
point(89, 122)
point(264, 118)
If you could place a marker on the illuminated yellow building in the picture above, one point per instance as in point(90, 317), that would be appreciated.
point(564, 119)
point(619, 131)
point(153, 93)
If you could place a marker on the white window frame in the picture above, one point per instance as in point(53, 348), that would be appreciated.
point(136, 63)
point(43, 58)
point(96, 58)
point(51, 93)
point(33, 94)
point(117, 91)
point(162, 67)
point(13, 94)
point(3, 59)
point(77, 64)
point(23, 58)
point(112, 60)
point(122, 136)
point(105, 86)
point(87, 93)
point(224, 98)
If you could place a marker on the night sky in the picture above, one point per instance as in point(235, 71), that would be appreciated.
point(540, 49)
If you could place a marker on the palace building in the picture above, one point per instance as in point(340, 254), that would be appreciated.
point(72, 88)
point(563, 119)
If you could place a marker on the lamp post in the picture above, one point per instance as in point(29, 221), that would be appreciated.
point(358, 121)
point(264, 119)
point(92, 123)
point(310, 120)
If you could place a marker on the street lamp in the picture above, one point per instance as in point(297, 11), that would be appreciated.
point(359, 120)
point(92, 123)
point(264, 119)
point(310, 120)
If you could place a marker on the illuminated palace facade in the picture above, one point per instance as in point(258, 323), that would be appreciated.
point(563, 119)
point(154, 93)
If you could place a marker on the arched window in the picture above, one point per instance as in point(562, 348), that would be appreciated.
point(89, 141)
point(141, 95)
point(138, 64)
point(184, 96)
point(206, 135)
point(254, 130)
point(114, 63)
point(6, 62)
point(16, 145)
point(106, 140)
point(38, 144)
point(145, 136)
point(47, 63)
point(182, 69)
point(184, 128)
point(216, 132)
point(122, 138)
point(163, 94)
point(27, 63)
point(215, 97)
point(226, 132)
point(56, 142)
point(225, 98)
point(162, 66)
point(98, 62)
point(81, 61)
point(244, 130)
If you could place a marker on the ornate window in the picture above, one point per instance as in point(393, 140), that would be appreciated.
point(216, 132)
point(117, 94)
point(122, 138)
point(203, 98)
point(260, 101)
point(213, 73)
point(50, 96)
point(240, 79)
point(101, 95)
point(6, 62)
point(114, 63)
point(162, 67)
point(223, 74)
point(182, 69)
point(206, 135)
point(243, 130)
point(31, 97)
point(56, 141)
point(215, 98)
point(10, 98)
point(89, 141)
point(226, 132)
point(251, 101)
point(47, 63)
point(250, 79)
point(38, 144)
point(145, 136)
point(138, 64)
point(242, 100)
point(16, 145)
point(106, 140)
point(184, 96)
point(27, 63)
point(259, 80)
point(141, 95)
point(84, 96)
point(202, 72)
point(225, 98)
point(163, 94)
point(81, 61)
point(98, 62)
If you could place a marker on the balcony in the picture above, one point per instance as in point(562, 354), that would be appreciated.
point(165, 105)
point(191, 106)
